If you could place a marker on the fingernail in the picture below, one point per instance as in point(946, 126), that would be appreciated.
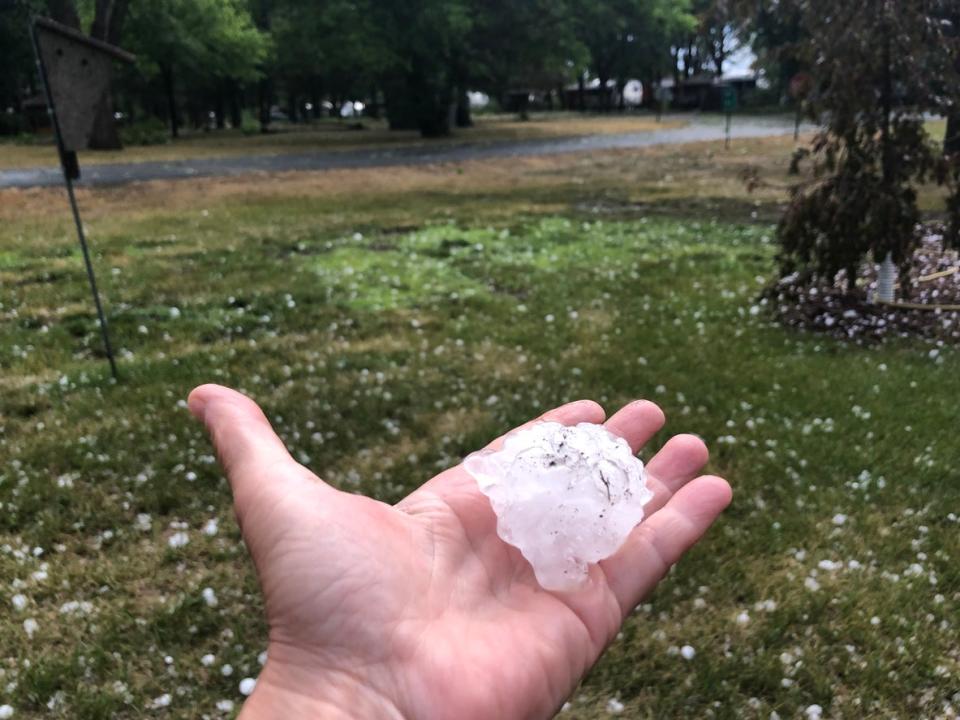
point(197, 406)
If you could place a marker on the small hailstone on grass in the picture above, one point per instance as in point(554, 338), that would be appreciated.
point(614, 706)
point(162, 701)
point(226, 670)
point(19, 601)
point(247, 685)
point(208, 660)
point(30, 626)
point(6, 712)
point(839, 519)
point(687, 652)
point(225, 705)
point(209, 597)
point(813, 712)
point(178, 540)
point(565, 496)
point(212, 527)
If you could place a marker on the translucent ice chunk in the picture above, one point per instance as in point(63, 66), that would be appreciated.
point(565, 496)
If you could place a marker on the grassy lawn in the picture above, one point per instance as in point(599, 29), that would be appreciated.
point(390, 322)
point(326, 135)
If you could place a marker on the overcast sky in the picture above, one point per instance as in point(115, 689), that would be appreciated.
point(739, 63)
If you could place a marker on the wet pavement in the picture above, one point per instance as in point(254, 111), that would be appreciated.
point(698, 130)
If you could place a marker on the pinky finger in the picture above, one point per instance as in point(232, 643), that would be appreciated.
point(662, 539)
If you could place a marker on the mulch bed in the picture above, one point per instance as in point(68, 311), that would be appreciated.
point(828, 307)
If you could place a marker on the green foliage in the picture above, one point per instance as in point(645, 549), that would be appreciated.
point(521, 44)
point(777, 34)
point(424, 38)
point(151, 131)
point(627, 38)
point(16, 59)
point(208, 39)
point(249, 125)
point(333, 45)
point(878, 68)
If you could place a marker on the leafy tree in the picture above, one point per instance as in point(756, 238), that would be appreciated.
point(873, 63)
point(198, 42)
point(16, 57)
point(777, 36)
point(423, 39)
point(519, 44)
point(626, 37)
point(648, 52)
point(718, 30)
point(332, 48)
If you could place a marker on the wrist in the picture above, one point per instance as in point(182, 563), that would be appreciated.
point(291, 690)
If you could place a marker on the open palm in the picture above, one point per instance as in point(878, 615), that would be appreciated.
point(419, 610)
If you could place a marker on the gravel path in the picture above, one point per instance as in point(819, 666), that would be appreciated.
point(700, 129)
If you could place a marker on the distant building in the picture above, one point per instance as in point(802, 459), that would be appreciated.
point(595, 97)
point(705, 90)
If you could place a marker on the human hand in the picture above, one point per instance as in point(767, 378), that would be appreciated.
point(419, 610)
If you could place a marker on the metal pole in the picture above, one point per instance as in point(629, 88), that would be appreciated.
point(104, 332)
point(726, 143)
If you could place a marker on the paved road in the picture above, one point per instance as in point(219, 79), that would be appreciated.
point(119, 173)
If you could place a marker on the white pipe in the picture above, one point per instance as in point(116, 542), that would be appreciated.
point(886, 279)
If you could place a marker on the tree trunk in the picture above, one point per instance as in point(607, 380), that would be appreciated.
point(604, 93)
point(170, 90)
point(101, 19)
point(236, 105)
point(292, 107)
point(463, 118)
point(265, 87)
point(886, 105)
point(265, 100)
point(315, 100)
point(105, 134)
point(65, 12)
point(951, 139)
point(220, 107)
point(107, 26)
point(401, 111)
point(117, 17)
point(581, 94)
point(434, 106)
point(372, 110)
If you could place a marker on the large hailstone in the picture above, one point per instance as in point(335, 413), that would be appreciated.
point(565, 496)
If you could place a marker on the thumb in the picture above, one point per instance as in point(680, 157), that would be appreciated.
point(250, 452)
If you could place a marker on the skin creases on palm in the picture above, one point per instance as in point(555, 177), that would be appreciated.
point(421, 604)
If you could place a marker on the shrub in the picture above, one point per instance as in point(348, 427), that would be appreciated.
point(151, 131)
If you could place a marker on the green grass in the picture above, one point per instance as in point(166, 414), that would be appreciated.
point(389, 332)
